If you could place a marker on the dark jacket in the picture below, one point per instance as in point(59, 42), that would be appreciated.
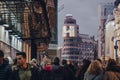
point(5, 71)
point(58, 73)
point(69, 74)
point(112, 73)
point(35, 73)
point(82, 70)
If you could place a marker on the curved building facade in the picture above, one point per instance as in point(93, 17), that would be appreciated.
point(70, 43)
point(76, 46)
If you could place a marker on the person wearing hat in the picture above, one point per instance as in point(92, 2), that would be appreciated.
point(5, 69)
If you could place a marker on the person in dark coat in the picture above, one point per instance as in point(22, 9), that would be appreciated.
point(5, 69)
point(83, 69)
point(71, 66)
point(112, 71)
point(46, 71)
point(68, 71)
point(58, 71)
point(23, 70)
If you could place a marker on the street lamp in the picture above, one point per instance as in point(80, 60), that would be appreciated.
point(116, 48)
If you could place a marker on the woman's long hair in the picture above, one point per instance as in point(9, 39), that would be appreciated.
point(94, 68)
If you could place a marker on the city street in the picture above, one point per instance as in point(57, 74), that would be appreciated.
point(59, 40)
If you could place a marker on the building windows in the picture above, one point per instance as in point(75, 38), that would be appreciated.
point(70, 21)
point(71, 40)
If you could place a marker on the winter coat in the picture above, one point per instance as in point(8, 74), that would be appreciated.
point(93, 76)
point(68, 73)
point(35, 73)
point(112, 73)
point(58, 73)
point(5, 71)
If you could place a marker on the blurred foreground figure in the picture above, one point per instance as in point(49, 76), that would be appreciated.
point(46, 71)
point(82, 70)
point(23, 70)
point(5, 69)
point(112, 71)
point(68, 71)
point(94, 71)
point(58, 72)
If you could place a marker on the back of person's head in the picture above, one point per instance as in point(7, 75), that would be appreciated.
point(86, 62)
point(95, 67)
point(64, 62)
point(56, 61)
point(1, 53)
point(111, 62)
point(23, 54)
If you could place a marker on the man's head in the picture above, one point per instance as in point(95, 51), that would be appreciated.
point(21, 58)
point(56, 61)
point(1, 56)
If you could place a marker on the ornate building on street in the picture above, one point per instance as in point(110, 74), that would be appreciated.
point(87, 47)
point(104, 9)
point(76, 46)
point(70, 43)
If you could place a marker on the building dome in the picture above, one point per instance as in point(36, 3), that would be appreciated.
point(69, 19)
point(69, 15)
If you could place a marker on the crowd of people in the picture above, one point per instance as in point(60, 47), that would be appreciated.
point(54, 70)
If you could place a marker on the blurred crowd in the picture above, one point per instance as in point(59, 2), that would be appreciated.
point(54, 70)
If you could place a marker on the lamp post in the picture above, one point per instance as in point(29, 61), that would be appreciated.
point(116, 48)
